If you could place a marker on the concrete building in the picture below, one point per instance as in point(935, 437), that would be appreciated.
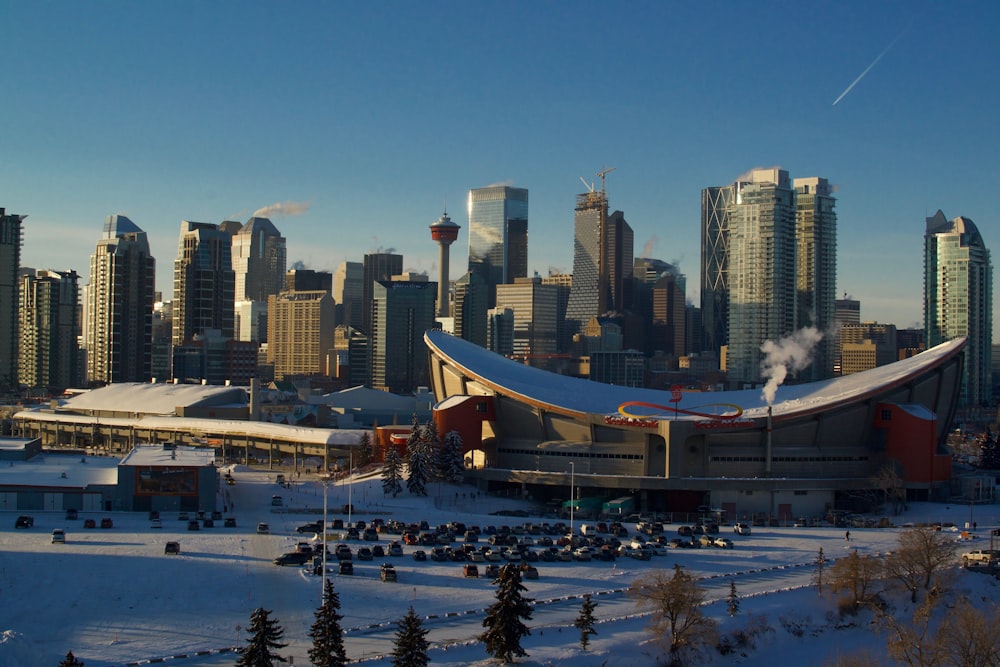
point(376, 266)
point(300, 334)
point(500, 331)
point(867, 345)
point(348, 293)
point(535, 326)
point(816, 269)
point(471, 296)
point(204, 282)
point(846, 311)
point(498, 236)
point(118, 329)
point(958, 298)
point(401, 312)
point(49, 355)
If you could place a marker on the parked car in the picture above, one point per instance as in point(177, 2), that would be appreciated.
point(378, 551)
point(194, 525)
point(58, 536)
point(470, 570)
point(387, 572)
point(263, 528)
point(293, 558)
point(492, 571)
point(106, 522)
point(346, 567)
point(685, 531)
point(172, 548)
point(370, 535)
point(89, 523)
point(395, 549)
point(276, 501)
point(311, 527)
point(208, 523)
point(741, 528)
point(72, 515)
point(24, 521)
point(706, 541)
point(420, 555)
point(529, 572)
point(155, 523)
point(723, 543)
point(343, 552)
point(364, 553)
point(229, 522)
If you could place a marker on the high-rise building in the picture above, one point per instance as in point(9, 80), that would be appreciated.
point(500, 331)
point(204, 282)
point(348, 292)
point(376, 266)
point(816, 269)
point(715, 205)
point(761, 269)
point(11, 238)
point(498, 235)
point(867, 345)
point(300, 332)
point(118, 331)
point(845, 311)
point(444, 232)
point(258, 256)
point(563, 282)
point(49, 354)
point(470, 308)
point(958, 298)
point(535, 327)
point(308, 280)
point(602, 261)
point(402, 311)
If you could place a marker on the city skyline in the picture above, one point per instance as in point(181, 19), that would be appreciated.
point(352, 148)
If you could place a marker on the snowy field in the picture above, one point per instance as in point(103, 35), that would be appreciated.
point(114, 598)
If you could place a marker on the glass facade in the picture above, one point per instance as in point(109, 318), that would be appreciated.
point(498, 236)
point(816, 266)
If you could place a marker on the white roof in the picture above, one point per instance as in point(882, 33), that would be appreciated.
point(160, 456)
point(365, 398)
point(61, 470)
point(15, 444)
point(158, 399)
point(586, 396)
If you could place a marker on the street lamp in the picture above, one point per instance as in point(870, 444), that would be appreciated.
point(322, 579)
point(572, 474)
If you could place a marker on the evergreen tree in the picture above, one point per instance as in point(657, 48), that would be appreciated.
point(503, 622)
point(392, 472)
point(328, 637)
point(263, 635)
point(449, 462)
point(71, 661)
point(820, 564)
point(410, 649)
point(733, 601)
point(585, 621)
point(365, 445)
point(417, 461)
point(989, 452)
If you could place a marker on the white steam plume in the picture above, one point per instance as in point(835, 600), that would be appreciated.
point(282, 208)
point(793, 352)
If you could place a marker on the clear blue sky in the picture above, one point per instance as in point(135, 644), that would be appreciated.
point(375, 114)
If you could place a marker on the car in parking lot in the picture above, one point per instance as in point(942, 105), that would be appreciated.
point(72, 514)
point(387, 572)
point(343, 552)
point(193, 524)
point(58, 536)
point(263, 528)
point(529, 572)
point(470, 570)
point(293, 558)
point(706, 541)
point(420, 555)
point(172, 548)
point(741, 528)
point(24, 521)
point(395, 549)
point(89, 523)
point(723, 543)
point(229, 522)
point(311, 527)
point(106, 522)
point(155, 523)
point(364, 553)
point(276, 501)
point(346, 567)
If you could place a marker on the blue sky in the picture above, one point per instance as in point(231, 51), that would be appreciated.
point(376, 114)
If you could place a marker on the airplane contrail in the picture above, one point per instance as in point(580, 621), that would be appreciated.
point(868, 69)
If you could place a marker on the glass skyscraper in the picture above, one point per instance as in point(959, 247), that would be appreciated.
point(958, 298)
point(498, 235)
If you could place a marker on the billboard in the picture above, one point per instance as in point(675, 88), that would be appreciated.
point(166, 481)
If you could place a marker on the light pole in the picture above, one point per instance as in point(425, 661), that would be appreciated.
point(322, 579)
point(572, 475)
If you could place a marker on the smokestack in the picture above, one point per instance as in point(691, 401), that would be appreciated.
point(767, 454)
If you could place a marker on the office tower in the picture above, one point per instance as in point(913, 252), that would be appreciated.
point(49, 354)
point(563, 282)
point(307, 280)
point(910, 342)
point(500, 331)
point(602, 261)
point(958, 298)
point(845, 311)
point(401, 312)
point(10, 261)
point(715, 205)
point(470, 308)
point(204, 282)
point(258, 256)
point(867, 345)
point(163, 322)
point(250, 321)
point(300, 332)
point(444, 232)
point(535, 326)
point(761, 269)
point(498, 235)
point(376, 266)
point(348, 293)
point(118, 331)
point(351, 347)
point(668, 315)
point(816, 267)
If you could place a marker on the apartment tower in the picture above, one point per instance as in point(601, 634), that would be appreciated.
point(204, 282)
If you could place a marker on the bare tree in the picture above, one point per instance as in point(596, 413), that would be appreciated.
point(968, 636)
point(889, 483)
point(922, 552)
point(676, 601)
point(855, 575)
point(821, 561)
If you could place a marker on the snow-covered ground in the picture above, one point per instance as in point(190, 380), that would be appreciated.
point(112, 597)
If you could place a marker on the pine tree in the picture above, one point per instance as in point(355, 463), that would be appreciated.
point(417, 461)
point(733, 601)
point(71, 661)
point(585, 621)
point(989, 452)
point(449, 461)
point(820, 564)
point(328, 637)
point(263, 635)
point(365, 445)
point(503, 622)
point(392, 472)
point(410, 649)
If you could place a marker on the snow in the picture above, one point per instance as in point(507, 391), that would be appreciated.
point(112, 597)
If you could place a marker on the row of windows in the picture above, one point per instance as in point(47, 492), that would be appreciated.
point(787, 459)
point(575, 455)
